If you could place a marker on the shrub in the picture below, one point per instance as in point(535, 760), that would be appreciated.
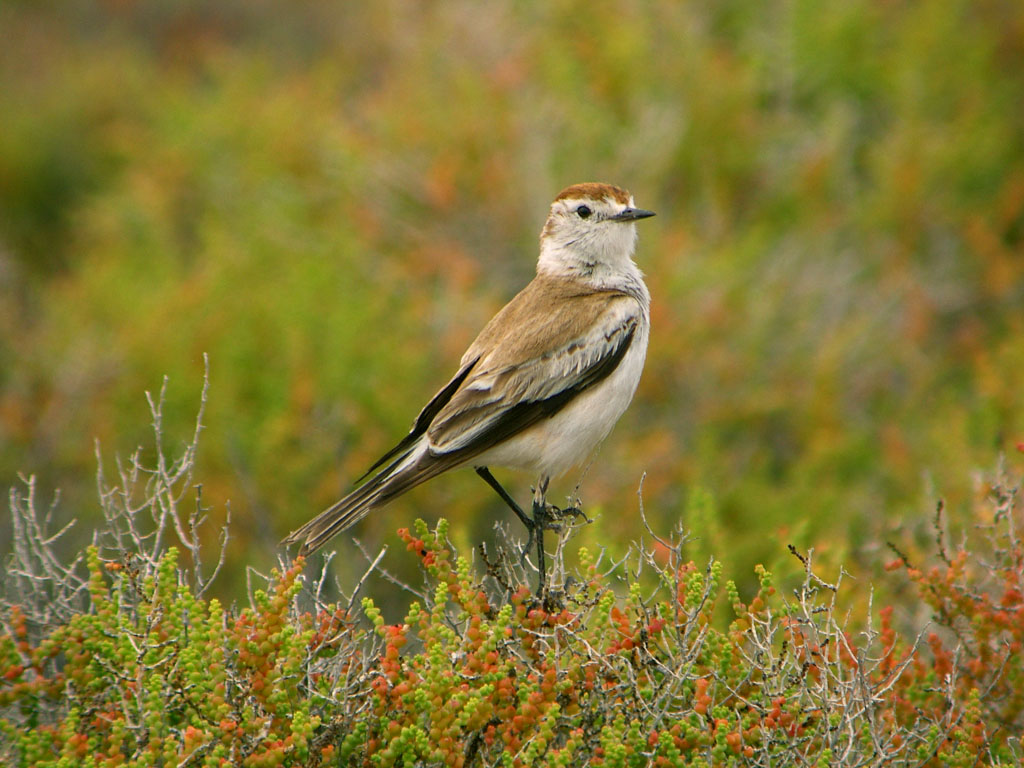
point(120, 658)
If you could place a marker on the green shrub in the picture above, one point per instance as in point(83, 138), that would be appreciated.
point(836, 262)
point(120, 658)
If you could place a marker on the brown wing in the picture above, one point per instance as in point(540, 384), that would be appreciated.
point(534, 370)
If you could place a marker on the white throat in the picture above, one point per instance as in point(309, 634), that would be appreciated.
point(601, 258)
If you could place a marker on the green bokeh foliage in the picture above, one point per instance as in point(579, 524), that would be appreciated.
point(330, 199)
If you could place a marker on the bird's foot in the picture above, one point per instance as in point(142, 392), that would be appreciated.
point(575, 511)
point(553, 517)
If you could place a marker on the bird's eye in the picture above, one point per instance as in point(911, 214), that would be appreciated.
point(584, 212)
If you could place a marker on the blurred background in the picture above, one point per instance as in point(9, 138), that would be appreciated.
point(331, 199)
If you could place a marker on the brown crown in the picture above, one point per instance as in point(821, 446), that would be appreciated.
point(594, 191)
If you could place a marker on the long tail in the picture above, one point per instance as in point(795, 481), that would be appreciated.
point(412, 467)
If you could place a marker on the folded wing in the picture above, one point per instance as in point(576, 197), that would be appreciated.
point(500, 398)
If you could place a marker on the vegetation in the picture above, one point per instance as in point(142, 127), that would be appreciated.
point(120, 658)
point(331, 199)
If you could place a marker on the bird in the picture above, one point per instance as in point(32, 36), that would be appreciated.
point(542, 384)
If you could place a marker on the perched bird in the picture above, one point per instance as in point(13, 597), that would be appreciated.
point(543, 383)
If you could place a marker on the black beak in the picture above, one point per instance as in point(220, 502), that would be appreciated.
point(631, 214)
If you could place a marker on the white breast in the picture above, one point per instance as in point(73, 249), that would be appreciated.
point(555, 445)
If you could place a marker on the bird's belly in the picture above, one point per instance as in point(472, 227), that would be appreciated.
point(555, 445)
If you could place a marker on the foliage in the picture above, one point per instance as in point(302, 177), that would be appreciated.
point(121, 658)
point(331, 198)
point(977, 595)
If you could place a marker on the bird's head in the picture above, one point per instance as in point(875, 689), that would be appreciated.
point(591, 229)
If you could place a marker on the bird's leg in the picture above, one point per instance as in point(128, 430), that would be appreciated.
point(540, 518)
point(485, 473)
